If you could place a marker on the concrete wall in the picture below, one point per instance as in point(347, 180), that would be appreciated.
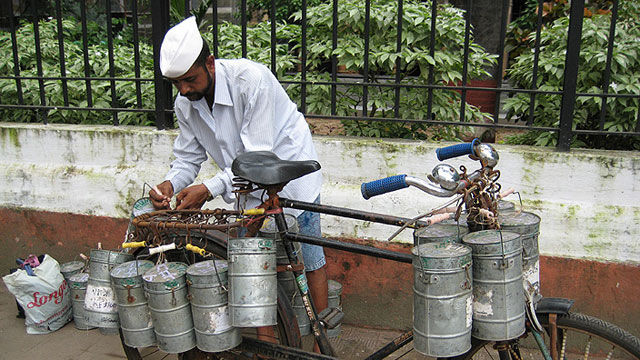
point(585, 197)
point(57, 179)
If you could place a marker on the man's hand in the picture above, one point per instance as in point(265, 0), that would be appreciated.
point(162, 197)
point(192, 197)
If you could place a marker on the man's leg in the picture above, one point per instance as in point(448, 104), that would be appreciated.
point(318, 287)
point(314, 260)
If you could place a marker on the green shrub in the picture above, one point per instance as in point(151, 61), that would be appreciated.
point(414, 65)
point(259, 44)
point(74, 63)
point(622, 113)
point(284, 8)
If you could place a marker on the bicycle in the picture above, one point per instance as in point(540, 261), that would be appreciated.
point(552, 331)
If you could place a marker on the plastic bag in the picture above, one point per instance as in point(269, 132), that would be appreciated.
point(45, 296)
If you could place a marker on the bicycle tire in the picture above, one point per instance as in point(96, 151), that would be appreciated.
point(287, 331)
point(579, 330)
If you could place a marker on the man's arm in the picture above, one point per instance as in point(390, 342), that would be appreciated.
point(189, 156)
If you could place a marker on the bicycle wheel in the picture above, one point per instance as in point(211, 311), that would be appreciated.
point(286, 330)
point(579, 336)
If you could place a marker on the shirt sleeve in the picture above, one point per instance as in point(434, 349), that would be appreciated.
point(221, 184)
point(189, 155)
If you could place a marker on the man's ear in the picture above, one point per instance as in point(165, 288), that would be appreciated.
point(211, 63)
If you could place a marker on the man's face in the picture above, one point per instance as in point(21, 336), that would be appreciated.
point(195, 83)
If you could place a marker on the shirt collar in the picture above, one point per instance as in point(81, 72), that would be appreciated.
point(221, 90)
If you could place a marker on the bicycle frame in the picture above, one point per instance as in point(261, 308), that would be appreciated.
point(274, 205)
point(349, 213)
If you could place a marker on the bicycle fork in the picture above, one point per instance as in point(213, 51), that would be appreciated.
point(272, 204)
point(317, 327)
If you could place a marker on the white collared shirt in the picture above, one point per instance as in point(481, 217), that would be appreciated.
point(251, 112)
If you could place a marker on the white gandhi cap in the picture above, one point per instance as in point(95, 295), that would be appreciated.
point(180, 48)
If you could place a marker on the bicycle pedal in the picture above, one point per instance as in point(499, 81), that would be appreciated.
point(331, 317)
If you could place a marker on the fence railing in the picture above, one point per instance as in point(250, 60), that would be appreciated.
point(41, 87)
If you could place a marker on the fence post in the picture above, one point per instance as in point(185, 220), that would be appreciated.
point(160, 25)
point(574, 37)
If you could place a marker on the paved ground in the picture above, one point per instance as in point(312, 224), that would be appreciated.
point(70, 343)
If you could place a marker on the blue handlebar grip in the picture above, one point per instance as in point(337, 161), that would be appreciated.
point(456, 150)
point(382, 186)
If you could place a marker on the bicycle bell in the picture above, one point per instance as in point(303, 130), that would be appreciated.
point(445, 175)
point(487, 155)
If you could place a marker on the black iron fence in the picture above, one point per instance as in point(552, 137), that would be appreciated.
point(97, 57)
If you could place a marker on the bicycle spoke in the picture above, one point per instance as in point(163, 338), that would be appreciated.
point(579, 336)
point(488, 353)
point(564, 344)
point(405, 353)
point(587, 347)
point(514, 354)
point(610, 353)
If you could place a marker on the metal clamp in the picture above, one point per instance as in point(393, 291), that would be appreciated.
point(173, 296)
point(466, 285)
point(130, 298)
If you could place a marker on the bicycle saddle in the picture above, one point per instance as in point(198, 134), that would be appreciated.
point(265, 168)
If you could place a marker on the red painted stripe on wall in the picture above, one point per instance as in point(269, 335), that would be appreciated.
point(376, 292)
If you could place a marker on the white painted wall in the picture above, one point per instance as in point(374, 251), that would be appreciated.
point(588, 199)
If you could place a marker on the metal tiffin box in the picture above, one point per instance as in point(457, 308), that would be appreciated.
point(78, 285)
point(253, 283)
point(208, 282)
point(70, 268)
point(440, 232)
point(442, 299)
point(99, 303)
point(528, 226)
point(135, 318)
point(166, 288)
point(498, 296)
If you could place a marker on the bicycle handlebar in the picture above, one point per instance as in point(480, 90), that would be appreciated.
point(382, 186)
point(397, 182)
point(486, 154)
point(457, 150)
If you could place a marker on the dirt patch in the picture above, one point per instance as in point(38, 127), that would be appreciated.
point(325, 126)
point(321, 126)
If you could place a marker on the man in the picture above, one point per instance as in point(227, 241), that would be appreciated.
point(226, 108)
